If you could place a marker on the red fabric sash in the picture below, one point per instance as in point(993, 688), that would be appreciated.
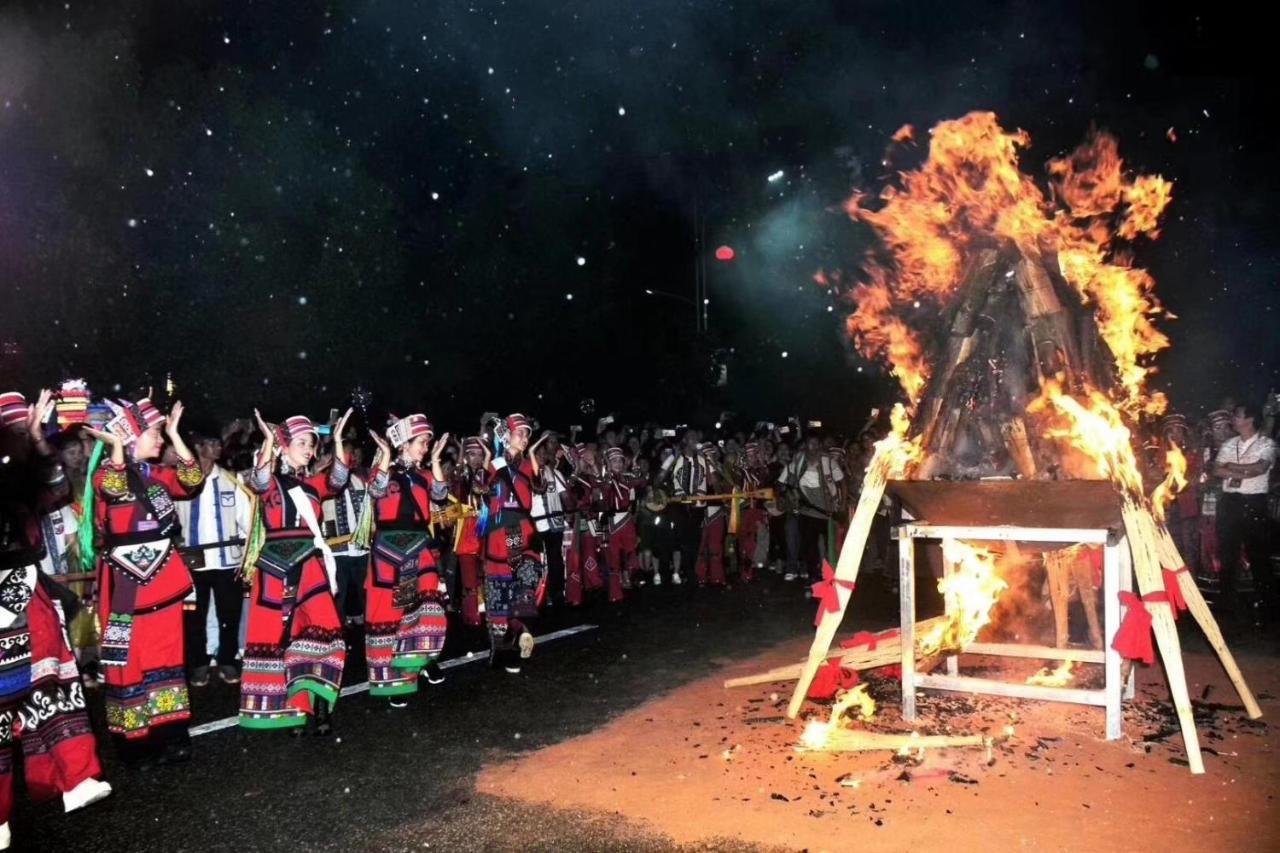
point(832, 677)
point(1134, 641)
point(827, 592)
point(1174, 590)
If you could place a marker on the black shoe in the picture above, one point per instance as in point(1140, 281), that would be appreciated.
point(228, 674)
point(200, 676)
point(323, 723)
point(433, 672)
point(298, 731)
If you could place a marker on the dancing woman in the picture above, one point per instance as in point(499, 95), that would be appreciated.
point(513, 574)
point(405, 621)
point(42, 709)
point(294, 652)
point(142, 581)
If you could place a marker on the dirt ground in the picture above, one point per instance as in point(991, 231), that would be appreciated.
point(703, 762)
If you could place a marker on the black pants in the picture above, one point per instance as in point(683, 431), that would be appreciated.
point(553, 544)
point(806, 558)
point(1243, 524)
point(688, 529)
point(351, 572)
point(778, 538)
point(227, 595)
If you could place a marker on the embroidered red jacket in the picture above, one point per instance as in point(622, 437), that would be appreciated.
point(123, 517)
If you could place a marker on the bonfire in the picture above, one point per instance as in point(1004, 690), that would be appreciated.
point(1022, 335)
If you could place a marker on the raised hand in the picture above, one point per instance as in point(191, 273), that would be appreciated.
point(175, 416)
point(263, 426)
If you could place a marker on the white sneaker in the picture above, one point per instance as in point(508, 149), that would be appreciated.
point(657, 578)
point(526, 645)
point(88, 791)
point(5, 837)
point(789, 576)
point(675, 579)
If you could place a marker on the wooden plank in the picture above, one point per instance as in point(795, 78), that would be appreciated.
point(1113, 684)
point(991, 687)
point(1019, 650)
point(907, 616)
point(1088, 504)
point(1058, 535)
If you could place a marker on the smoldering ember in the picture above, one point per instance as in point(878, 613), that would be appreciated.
point(365, 486)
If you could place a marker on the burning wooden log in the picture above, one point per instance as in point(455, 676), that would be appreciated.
point(857, 740)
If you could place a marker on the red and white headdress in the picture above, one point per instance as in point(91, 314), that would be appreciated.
point(473, 444)
point(296, 427)
point(518, 421)
point(133, 419)
point(408, 428)
point(614, 453)
point(13, 409)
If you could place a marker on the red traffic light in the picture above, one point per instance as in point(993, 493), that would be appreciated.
point(725, 253)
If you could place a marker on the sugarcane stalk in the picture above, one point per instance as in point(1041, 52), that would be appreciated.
point(846, 569)
point(857, 740)
point(1143, 543)
point(1196, 605)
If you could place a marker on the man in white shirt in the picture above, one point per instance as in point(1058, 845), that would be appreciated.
point(815, 480)
point(215, 525)
point(687, 473)
point(1244, 465)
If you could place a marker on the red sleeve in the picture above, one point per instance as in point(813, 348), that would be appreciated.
point(182, 480)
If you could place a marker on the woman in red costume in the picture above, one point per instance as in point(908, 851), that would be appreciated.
point(294, 651)
point(42, 711)
point(513, 573)
point(142, 581)
point(618, 490)
point(404, 621)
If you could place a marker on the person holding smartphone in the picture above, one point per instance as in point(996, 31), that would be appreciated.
point(1244, 465)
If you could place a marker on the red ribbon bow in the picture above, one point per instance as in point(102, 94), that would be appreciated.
point(827, 591)
point(833, 677)
point(1133, 641)
point(1174, 589)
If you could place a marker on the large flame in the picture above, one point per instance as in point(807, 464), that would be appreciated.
point(1175, 480)
point(971, 193)
point(971, 587)
point(1093, 426)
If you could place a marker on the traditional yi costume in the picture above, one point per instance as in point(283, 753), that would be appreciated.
point(294, 652)
point(405, 622)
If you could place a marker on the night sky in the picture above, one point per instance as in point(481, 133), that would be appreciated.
point(460, 205)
